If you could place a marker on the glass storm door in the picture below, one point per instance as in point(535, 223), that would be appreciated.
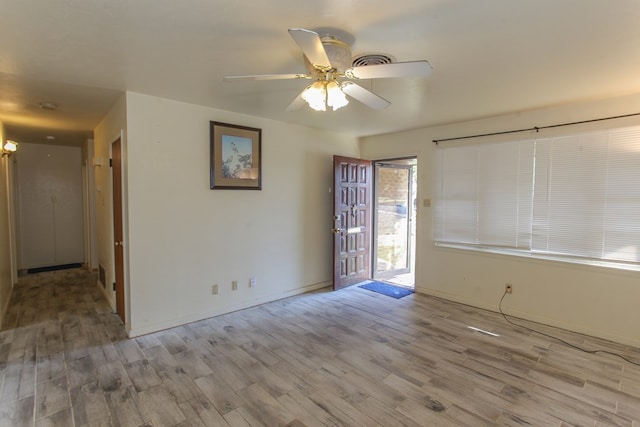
point(394, 206)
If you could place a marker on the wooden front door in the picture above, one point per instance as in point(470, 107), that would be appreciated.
point(116, 173)
point(352, 221)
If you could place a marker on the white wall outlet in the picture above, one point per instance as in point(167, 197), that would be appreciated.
point(252, 282)
point(214, 290)
point(234, 285)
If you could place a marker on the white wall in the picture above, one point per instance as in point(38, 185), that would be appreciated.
point(598, 301)
point(183, 237)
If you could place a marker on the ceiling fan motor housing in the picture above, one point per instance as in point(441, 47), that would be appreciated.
point(338, 52)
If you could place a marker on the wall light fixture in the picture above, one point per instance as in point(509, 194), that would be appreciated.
point(9, 147)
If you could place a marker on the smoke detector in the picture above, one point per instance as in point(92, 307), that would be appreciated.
point(48, 105)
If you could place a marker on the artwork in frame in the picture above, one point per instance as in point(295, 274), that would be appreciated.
point(236, 157)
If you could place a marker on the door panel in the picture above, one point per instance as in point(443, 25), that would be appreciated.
point(118, 234)
point(352, 221)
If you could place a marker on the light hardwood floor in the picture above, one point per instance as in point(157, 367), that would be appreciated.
point(346, 358)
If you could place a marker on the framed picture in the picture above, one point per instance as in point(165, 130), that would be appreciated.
point(236, 157)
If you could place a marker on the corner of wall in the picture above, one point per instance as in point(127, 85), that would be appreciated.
point(112, 127)
point(7, 243)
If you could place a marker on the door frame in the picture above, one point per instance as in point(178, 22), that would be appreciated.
point(117, 192)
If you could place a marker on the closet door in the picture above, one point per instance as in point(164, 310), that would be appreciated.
point(50, 217)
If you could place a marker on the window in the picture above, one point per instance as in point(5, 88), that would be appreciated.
point(573, 197)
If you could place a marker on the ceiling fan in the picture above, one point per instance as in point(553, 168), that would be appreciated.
point(328, 61)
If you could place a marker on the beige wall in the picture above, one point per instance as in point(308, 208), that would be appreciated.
point(183, 237)
point(595, 300)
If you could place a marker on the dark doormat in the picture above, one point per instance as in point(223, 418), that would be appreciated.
point(386, 289)
point(53, 268)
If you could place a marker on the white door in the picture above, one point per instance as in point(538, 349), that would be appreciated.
point(50, 210)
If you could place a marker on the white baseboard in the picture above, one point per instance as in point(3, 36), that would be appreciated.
point(107, 295)
point(155, 327)
point(533, 317)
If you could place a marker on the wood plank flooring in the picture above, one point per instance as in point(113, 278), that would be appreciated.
point(346, 358)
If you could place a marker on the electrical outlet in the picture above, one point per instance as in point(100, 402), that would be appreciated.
point(214, 290)
point(252, 282)
point(234, 285)
point(508, 288)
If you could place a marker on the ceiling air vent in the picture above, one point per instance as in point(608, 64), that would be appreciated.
point(372, 59)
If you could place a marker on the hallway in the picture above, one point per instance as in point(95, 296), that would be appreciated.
point(346, 358)
point(57, 341)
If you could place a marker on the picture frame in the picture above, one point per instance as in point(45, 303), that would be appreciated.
point(235, 156)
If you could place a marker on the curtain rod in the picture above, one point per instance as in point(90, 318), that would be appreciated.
point(535, 128)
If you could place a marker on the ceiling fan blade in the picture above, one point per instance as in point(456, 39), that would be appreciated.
point(311, 45)
point(365, 96)
point(267, 77)
point(297, 103)
point(396, 69)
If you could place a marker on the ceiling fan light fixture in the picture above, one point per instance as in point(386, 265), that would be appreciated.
point(316, 95)
point(321, 94)
point(335, 96)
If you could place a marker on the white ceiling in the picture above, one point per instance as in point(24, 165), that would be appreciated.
point(489, 57)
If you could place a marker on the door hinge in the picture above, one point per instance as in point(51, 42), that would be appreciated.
point(114, 286)
point(110, 163)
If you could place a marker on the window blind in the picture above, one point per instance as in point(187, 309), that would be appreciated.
point(570, 196)
point(621, 240)
point(483, 195)
point(570, 191)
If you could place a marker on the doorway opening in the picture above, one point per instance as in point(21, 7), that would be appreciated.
point(394, 231)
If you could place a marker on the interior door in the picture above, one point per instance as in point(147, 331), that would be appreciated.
point(352, 221)
point(50, 200)
point(116, 172)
